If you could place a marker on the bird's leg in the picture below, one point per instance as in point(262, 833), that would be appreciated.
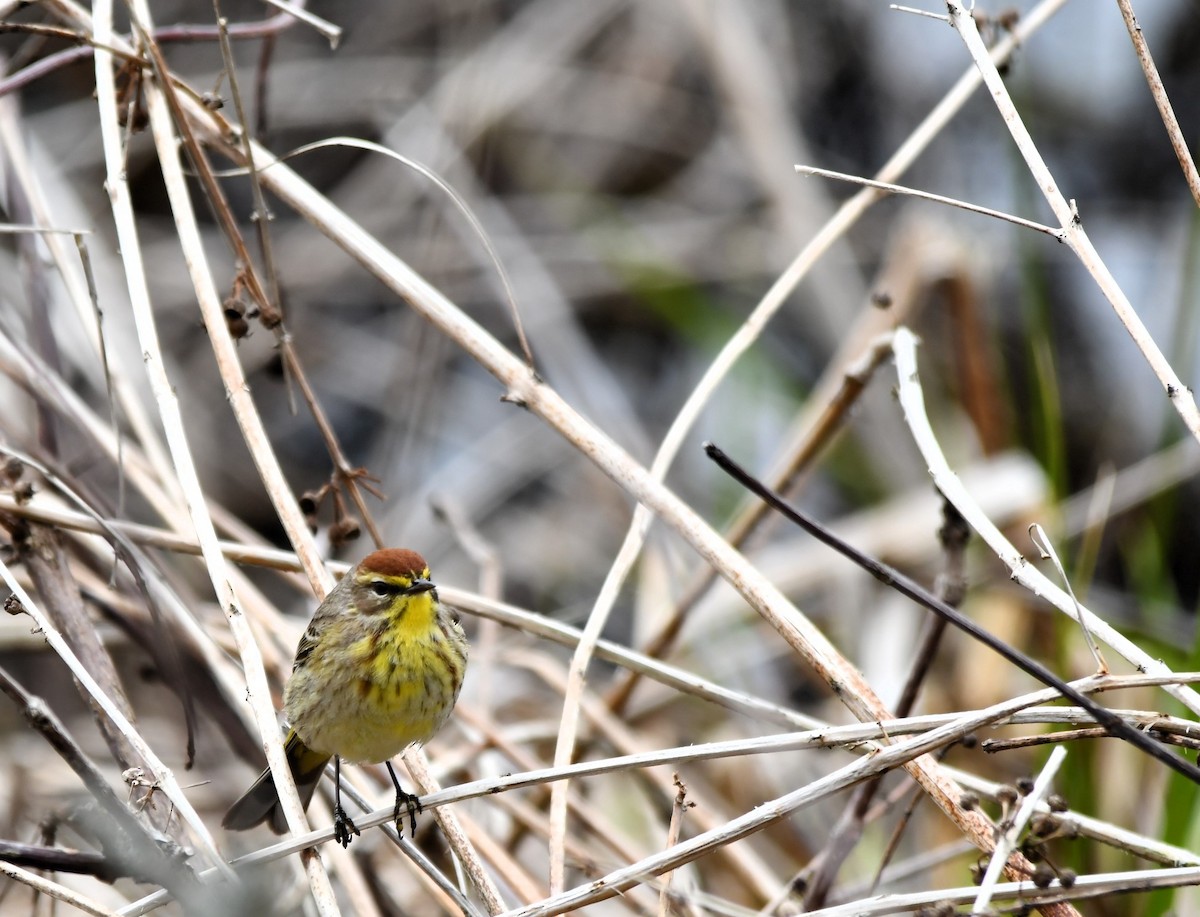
point(409, 800)
point(343, 827)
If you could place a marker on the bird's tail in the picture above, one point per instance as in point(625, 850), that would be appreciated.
point(260, 803)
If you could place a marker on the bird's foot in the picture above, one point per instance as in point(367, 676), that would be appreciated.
point(343, 827)
point(412, 804)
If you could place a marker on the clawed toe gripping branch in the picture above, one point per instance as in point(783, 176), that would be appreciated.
point(409, 801)
point(343, 827)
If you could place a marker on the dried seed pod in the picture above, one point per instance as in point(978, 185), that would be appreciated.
point(1042, 825)
point(309, 501)
point(344, 530)
point(235, 318)
point(13, 468)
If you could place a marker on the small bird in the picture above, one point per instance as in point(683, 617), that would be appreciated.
point(378, 669)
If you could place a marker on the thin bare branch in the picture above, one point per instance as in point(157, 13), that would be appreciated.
point(892, 188)
point(1186, 163)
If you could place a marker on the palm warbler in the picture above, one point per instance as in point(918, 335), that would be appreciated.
point(377, 670)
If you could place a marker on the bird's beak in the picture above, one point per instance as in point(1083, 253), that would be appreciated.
point(418, 586)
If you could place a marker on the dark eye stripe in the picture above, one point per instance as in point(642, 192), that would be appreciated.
point(383, 589)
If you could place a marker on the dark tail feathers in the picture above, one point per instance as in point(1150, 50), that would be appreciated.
point(260, 803)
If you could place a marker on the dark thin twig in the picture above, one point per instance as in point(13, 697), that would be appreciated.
point(348, 476)
point(266, 52)
point(85, 262)
point(266, 29)
point(992, 746)
point(1115, 726)
point(262, 215)
point(60, 859)
point(952, 589)
point(954, 535)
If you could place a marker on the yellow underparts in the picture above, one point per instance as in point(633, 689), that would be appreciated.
point(391, 683)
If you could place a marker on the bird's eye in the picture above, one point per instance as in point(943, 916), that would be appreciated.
point(383, 589)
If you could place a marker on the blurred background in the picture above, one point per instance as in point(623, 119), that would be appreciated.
point(632, 165)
